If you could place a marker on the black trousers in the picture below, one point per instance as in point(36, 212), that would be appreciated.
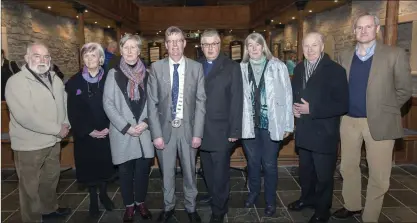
point(134, 176)
point(316, 178)
point(217, 176)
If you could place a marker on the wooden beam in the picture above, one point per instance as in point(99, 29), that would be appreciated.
point(391, 26)
point(301, 4)
point(262, 10)
point(413, 50)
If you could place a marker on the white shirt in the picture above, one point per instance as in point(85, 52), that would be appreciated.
point(181, 71)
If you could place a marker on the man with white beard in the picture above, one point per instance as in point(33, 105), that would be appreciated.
point(38, 121)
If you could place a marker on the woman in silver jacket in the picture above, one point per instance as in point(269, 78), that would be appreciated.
point(267, 117)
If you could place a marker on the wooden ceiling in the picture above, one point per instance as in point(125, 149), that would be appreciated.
point(166, 3)
point(290, 13)
point(279, 15)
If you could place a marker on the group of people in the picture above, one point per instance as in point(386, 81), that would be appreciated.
point(124, 116)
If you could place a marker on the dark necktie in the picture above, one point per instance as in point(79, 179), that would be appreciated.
point(175, 87)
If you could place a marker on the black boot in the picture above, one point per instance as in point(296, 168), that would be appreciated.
point(94, 211)
point(104, 198)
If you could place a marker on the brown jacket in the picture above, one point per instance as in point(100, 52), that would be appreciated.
point(389, 87)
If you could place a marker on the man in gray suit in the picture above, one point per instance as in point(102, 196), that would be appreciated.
point(176, 108)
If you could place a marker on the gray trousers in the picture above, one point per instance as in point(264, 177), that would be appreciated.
point(167, 161)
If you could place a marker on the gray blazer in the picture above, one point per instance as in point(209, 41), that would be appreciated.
point(124, 147)
point(159, 100)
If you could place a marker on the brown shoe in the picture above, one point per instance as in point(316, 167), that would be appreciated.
point(129, 214)
point(144, 211)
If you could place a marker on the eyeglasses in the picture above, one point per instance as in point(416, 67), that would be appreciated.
point(209, 45)
point(171, 42)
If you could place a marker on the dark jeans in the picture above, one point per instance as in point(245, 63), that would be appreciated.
point(136, 170)
point(316, 179)
point(262, 152)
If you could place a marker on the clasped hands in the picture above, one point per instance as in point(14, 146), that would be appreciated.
point(301, 109)
point(99, 134)
point(137, 130)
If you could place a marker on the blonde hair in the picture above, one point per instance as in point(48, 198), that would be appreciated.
point(258, 38)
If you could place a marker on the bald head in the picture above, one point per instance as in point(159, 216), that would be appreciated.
point(313, 46)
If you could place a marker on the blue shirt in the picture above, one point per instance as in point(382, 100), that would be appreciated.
point(369, 52)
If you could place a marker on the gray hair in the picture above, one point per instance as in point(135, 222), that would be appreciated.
point(210, 33)
point(173, 30)
point(258, 38)
point(31, 45)
point(129, 36)
point(321, 36)
point(93, 47)
point(376, 19)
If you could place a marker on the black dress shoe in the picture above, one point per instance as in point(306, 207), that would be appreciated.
point(270, 210)
point(194, 217)
point(205, 199)
point(344, 213)
point(165, 216)
point(318, 219)
point(216, 218)
point(299, 205)
point(251, 200)
point(60, 212)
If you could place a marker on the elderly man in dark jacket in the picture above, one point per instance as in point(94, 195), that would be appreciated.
point(321, 97)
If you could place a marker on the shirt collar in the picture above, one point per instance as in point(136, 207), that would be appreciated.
point(369, 51)
point(180, 62)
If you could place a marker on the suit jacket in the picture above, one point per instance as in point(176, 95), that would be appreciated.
point(389, 87)
point(328, 96)
point(160, 103)
point(224, 104)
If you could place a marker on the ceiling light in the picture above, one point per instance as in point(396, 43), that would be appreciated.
point(253, 31)
point(49, 7)
point(272, 20)
point(280, 23)
point(108, 27)
point(335, 0)
point(160, 31)
point(77, 16)
point(310, 11)
point(264, 30)
point(95, 22)
point(293, 17)
point(86, 10)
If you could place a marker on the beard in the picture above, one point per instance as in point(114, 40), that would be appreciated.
point(40, 68)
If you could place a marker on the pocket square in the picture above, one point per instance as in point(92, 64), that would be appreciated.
point(78, 92)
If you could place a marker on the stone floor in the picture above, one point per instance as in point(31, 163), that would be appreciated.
point(400, 204)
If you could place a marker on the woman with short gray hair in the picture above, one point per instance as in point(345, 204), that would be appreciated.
point(90, 124)
point(267, 117)
point(125, 105)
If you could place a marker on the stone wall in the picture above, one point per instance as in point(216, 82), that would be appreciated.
point(336, 25)
point(24, 25)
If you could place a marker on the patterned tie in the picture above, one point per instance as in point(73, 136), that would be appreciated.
point(174, 94)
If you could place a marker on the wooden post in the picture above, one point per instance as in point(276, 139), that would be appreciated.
point(391, 22)
point(268, 33)
point(80, 32)
point(301, 4)
point(118, 31)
